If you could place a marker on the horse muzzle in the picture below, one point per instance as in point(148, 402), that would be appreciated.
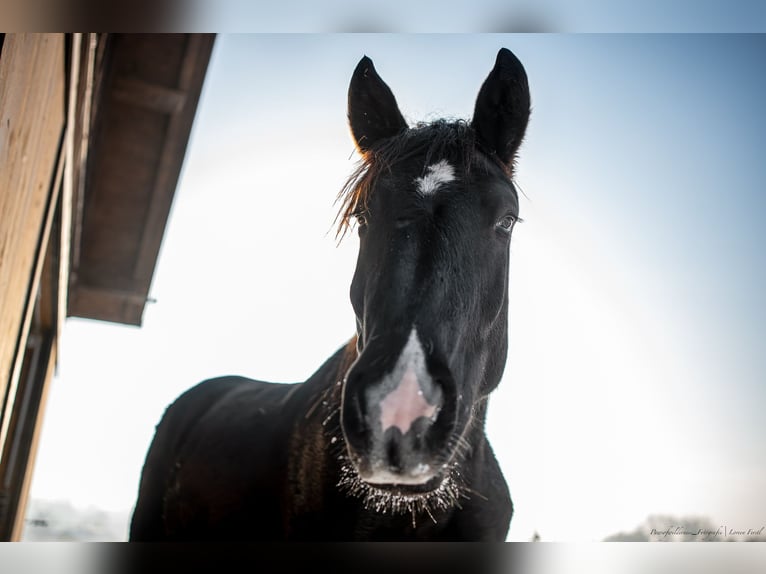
point(396, 423)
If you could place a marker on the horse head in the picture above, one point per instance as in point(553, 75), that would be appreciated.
point(435, 206)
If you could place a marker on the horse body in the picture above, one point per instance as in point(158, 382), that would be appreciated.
point(385, 441)
point(237, 459)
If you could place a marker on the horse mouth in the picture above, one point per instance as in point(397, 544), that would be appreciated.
point(379, 472)
point(396, 485)
point(440, 492)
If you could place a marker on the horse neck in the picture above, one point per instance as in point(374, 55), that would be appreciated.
point(319, 397)
point(315, 438)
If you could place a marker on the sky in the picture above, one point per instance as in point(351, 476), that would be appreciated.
point(559, 16)
point(634, 382)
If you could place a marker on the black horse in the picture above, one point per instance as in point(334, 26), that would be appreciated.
point(386, 440)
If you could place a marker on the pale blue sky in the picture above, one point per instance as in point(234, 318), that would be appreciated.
point(550, 16)
point(635, 376)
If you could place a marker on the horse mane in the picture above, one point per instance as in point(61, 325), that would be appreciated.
point(454, 139)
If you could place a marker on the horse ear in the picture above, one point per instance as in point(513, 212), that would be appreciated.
point(502, 107)
point(372, 110)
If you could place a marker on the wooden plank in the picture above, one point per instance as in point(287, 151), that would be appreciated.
point(31, 122)
point(36, 373)
point(29, 193)
point(136, 92)
point(191, 80)
point(91, 83)
point(74, 154)
point(106, 304)
point(35, 285)
point(29, 423)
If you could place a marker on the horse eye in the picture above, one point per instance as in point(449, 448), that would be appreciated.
point(361, 219)
point(506, 223)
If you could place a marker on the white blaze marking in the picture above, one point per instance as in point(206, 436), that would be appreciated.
point(401, 404)
point(436, 175)
point(406, 403)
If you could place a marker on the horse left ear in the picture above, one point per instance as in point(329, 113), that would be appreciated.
point(502, 108)
point(372, 109)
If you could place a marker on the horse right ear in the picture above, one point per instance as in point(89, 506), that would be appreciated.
point(502, 108)
point(373, 113)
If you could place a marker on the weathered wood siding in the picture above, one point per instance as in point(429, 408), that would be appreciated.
point(32, 81)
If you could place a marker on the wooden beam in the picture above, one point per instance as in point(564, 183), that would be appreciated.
point(35, 377)
point(29, 421)
point(80, 120)
point(107, 304)
point(90, 94)
point(136, 92)
point(31, 301)
point(193, 70)
point(31, 122)
point(31, 173)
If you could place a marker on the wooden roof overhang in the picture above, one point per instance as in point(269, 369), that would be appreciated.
point(138, 100)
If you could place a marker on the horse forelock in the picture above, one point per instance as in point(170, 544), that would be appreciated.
point(454, 140)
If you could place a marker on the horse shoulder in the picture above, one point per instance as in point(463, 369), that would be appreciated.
point(217, 455)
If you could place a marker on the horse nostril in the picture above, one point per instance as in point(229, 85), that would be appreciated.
point(355, 413)
point(393, 453)
point(434, 394)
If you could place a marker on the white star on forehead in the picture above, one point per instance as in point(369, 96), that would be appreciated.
point(436, 175)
